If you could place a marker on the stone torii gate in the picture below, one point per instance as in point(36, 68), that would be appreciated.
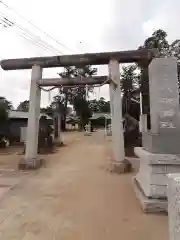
point(113, 59)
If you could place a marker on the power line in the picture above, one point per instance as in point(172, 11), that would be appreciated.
point(28, 35)
point(32, 24)
point(38, 40)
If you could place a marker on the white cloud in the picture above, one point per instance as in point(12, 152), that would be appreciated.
point(84, 26)
point(165, 16)
point(71, 22)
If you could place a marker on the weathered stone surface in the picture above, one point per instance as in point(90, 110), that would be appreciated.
point(163, 137)
point(120, 167)
point(116, 112)
point(30, 164)
point(174, 206)
point(157, 159)
point(153, 170)
point(149, 205)
point(160, 154)
point(167, 143)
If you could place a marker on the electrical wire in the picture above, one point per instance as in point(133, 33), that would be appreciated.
point(36, 40)
point(29, 35)
point(32, 24)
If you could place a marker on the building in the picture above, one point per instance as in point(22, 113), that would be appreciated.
point(100, 119)
point(17, 125)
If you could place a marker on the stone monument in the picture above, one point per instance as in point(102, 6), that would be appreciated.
point(88, 129)
point(160, 152)
point(109, 130)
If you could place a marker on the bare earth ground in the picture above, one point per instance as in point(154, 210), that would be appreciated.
point(74, 197)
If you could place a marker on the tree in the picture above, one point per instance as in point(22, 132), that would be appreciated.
point(100, 105)
point(84, 72)
point(80, 93)
point(65, 93)
point(76, 95)
point(23, 106)
point(174, 50)
point(82, 109)
point(159, 41)
point(130, 81)
point(5, 106)
point(3, 115)
point(5, 103)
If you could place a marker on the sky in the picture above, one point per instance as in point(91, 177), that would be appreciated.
point(82, 26)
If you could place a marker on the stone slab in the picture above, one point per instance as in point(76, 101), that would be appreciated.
point(151, 190)
point(157, 159)
point(149, 205)
point(152, 178)
point(164, 96)
point(166, 143)
point(174, 206)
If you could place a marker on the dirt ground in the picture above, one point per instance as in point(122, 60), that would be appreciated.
point(74, 197)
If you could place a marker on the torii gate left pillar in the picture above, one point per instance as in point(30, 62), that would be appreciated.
point(118, 163)
point(31, 159)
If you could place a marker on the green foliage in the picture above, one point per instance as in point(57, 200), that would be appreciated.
point(130, 81)
point(76, 95)
point(158, 40)
point(23, 106)
point(99, 106)
point(79, 101)
point(5, 103)
point(3, 115)
point(130, 78)
point(82, 109)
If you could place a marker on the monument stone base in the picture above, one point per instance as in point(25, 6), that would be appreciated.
point(151, 181)
point(149, 205)
point(30, 164)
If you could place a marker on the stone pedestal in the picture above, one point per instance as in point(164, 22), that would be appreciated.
point(30, 164)
point(151, 180)
point(160, 154)
point(109, 130)
point(88, 130)
point(58, 141)
point(174, 206)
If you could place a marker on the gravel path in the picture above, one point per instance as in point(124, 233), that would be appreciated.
point(74, 197)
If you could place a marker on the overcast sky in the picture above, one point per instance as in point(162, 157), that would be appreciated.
point(83, 26)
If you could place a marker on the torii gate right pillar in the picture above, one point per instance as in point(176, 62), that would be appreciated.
point(118, 164)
